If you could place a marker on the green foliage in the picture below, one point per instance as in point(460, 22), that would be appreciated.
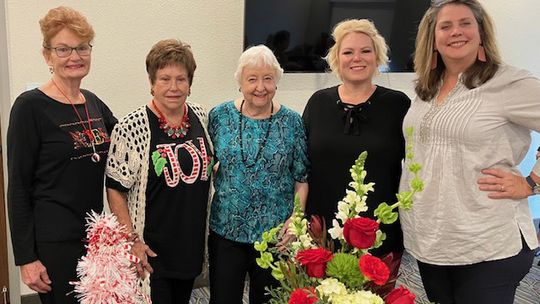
point(344, 267)
point(159, 162)
point(379, 239)
point(404, 198)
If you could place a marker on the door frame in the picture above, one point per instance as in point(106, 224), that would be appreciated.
point(5, 105)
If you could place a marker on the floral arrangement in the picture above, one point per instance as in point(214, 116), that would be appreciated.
point(106, 273)
point(308, 268)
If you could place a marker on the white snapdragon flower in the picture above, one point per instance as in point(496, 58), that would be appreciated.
point(351, 197)
point(343, 211)
point(306, 241)
point(367, 187)
point(361, 205)
point(336, 232)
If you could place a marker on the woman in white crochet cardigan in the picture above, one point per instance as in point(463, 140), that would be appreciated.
point(158, 176)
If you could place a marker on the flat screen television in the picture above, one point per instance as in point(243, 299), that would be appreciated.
point(299, 31)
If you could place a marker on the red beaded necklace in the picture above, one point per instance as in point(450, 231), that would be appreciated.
point(173, 131)
point(88, 132)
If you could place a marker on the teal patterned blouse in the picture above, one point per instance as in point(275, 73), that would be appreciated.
point(252, 198)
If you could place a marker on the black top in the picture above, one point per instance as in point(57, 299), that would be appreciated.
point(176, 199)
point(53, 182)
point(337, 133)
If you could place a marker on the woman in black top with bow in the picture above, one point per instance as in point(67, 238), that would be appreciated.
point(356, 116)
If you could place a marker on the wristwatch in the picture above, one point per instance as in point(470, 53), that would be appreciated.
point(534, 186)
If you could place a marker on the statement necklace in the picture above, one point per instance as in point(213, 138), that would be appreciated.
point(265, 139)
point(88, 132)
point(173, 131)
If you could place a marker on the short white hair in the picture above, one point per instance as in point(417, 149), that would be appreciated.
point(258, 56)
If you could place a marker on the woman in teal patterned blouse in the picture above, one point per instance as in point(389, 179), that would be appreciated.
point(261, 149)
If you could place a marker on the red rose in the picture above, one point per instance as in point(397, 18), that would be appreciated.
point(400, 295)
point(315, 261)
point(360, 232)
point(374, 269)
point(303, 296)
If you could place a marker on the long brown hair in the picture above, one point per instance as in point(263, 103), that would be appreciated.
point(427, 83)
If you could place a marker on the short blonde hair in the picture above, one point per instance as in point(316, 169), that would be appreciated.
point(427, 83)
point(62, 17)
point(170, 52)
point(258, 56)
point(363, 26)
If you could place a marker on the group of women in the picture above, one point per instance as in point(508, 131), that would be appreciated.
point(470, 229)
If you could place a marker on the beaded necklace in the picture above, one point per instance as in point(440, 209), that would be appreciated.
point(88, 132)
point(173, 131)
point(265, 139)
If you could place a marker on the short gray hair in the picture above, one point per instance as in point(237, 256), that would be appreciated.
point(258, 56)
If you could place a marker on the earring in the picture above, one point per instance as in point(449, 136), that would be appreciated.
point(434, 59)
point(481, 53)
point(276, 88)
point(239, 90)
point(189, 92)
point(152, 92)
point(51, 70)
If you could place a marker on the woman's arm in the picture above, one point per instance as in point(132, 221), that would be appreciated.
point(118, 205)
point(301, 190)
point(23, 144)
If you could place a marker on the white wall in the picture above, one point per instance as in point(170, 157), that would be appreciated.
point(126, 29)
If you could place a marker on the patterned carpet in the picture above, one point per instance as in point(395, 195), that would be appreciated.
point(527, 293)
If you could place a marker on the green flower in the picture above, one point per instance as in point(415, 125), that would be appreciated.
point(344, 267)
point(385, 214)
point(265, 260)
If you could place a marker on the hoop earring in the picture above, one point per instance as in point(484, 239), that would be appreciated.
point(481, 53)
point(434, 59)
point(152, 92)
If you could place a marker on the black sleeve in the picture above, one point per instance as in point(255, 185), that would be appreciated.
point(23, 144)
point(305, 116)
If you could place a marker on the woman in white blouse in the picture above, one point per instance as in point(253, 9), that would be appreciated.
point(470, 229)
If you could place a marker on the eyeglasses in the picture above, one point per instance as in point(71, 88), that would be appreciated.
point(65, 51)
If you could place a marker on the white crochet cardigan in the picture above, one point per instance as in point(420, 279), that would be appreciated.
point(128, 161)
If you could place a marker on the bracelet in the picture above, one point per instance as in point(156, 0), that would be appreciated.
point(133, 237)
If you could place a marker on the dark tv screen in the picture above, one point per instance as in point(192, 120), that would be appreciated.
point(299, 31)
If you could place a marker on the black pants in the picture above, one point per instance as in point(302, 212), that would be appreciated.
point(60, 260)
point(229, 263)
point(485, 282)
point(170, 291)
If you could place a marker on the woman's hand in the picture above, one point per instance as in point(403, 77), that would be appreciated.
point(284, 236)
point(35, 276)
point(142, 251)
point(504, 185)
